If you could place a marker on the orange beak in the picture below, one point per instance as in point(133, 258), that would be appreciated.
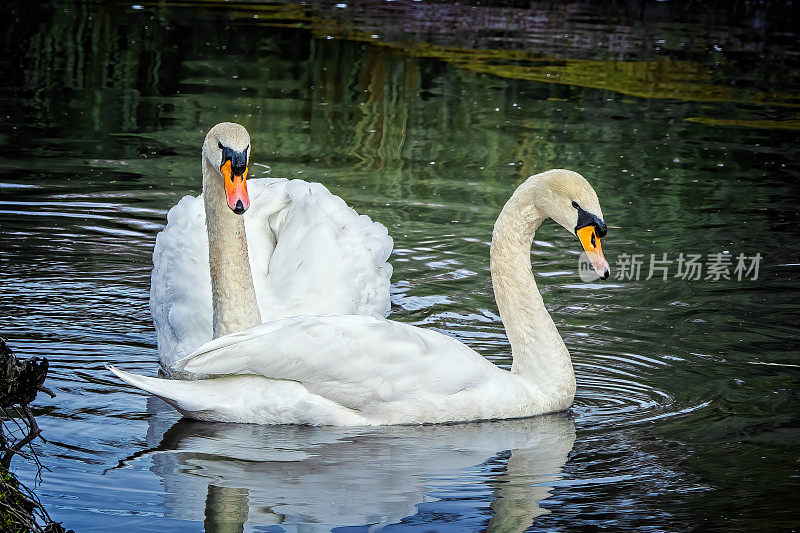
point(235, 188)
point(591, 244)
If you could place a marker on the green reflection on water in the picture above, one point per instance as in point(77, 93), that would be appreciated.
point(663, 78)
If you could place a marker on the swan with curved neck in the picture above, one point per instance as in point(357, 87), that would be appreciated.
point(364, 370)
point(565, 196)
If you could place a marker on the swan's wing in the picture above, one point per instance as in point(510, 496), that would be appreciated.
point(310, 254)
point(327, 260)
point(180, 284)
point(360, 362)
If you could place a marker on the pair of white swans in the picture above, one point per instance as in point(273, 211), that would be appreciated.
point(277, 317)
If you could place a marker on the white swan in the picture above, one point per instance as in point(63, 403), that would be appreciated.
point(305, 252)
point(362, 370)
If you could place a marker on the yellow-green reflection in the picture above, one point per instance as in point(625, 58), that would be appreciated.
point(762, 124)
point(663, 78)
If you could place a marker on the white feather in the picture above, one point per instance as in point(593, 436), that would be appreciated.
point(342, 370)
point(309, 252)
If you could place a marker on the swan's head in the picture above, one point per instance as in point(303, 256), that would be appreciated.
point(566, 197)
point(227, 148)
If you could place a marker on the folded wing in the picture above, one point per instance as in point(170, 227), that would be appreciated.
point(359, 362)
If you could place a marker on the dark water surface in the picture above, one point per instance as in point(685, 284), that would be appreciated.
point(424, 116)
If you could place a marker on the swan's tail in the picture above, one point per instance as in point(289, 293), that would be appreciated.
point(244, 399)
point(185, 396)
point(226, 399)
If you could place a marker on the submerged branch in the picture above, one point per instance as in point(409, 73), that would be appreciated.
point(20, 382)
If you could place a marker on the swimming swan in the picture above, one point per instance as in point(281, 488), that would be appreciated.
point(366, 370)
point(305, 253)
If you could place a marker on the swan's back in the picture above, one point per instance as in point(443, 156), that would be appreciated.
point(310, 254)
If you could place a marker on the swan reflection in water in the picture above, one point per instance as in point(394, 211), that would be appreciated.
point(317, 478)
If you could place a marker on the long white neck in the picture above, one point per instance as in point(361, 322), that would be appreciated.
point(232, 292)
point(539, 353)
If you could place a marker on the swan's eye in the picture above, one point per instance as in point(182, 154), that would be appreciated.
point(575, 204)
point(222, 148)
